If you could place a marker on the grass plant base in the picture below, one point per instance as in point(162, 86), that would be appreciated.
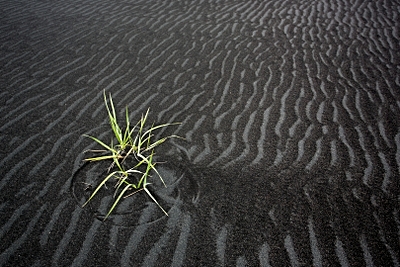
point(182, 191)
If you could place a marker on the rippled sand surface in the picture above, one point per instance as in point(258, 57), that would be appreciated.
point(289, 110)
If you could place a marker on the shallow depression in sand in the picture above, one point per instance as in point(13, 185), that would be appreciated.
point(180, 190)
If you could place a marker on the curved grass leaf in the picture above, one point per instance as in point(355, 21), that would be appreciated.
point(155, 201)
point(98, 187)
point(117, 200)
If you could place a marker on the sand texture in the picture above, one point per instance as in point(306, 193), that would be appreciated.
point(290, 112)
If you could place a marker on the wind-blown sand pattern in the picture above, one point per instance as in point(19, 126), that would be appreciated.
point(290, 110)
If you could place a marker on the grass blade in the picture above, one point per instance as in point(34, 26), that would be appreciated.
point(117, 200)
point(155, 201)
point(151, 166)
point(100, 142)
point(112, 115)
point(98, 187)
point(100, 158)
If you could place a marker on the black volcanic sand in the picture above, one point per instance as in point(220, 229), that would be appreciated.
point(289, 112)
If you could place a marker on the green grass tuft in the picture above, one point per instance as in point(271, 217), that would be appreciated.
point(134, 145)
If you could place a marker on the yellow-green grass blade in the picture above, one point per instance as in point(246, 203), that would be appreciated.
point(117, 200)
point(113, 119)
point(151, 166)
point(134, 128)
point(159, 175)
point(150, 146)
point(121, 181)
point(140, 182)
point(160, 126)
point(127, 134)
point(116, 161)
point(155, 201)
point(109, 148)
point(149, 135)
point(139, 141)
point(133, 171)
point(141, 128)
point(98, 187)
point(100, 158)
point(143, 179)
point(134, 146)
point(140, 162)
point(157, 143)
point(143, 120)
point(136, 186)
point(160, 141)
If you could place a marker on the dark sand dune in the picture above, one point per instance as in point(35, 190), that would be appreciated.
point(290, 110)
